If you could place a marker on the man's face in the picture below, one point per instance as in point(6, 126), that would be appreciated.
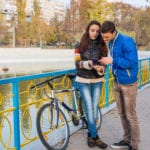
point(108, 36)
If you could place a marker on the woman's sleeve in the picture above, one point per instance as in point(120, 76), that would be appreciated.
point(79, 63)
point(77, 58)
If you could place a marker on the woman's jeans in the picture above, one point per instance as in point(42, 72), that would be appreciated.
point(90, 94)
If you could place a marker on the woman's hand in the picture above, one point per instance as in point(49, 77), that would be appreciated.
point(86, 64)
point(99, 69)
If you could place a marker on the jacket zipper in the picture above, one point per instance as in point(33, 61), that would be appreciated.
point(128, 72)
point(116, 76)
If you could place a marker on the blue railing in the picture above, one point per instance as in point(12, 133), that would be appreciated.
point(15, 92)
point(144, 78)
point(144, 72)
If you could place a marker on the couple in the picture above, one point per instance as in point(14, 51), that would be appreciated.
point(90, 78)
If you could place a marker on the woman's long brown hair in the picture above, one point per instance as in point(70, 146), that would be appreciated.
point(86, 39)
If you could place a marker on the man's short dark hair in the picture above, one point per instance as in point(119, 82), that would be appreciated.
point(108, 26)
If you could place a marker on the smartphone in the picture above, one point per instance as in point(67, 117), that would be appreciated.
point(95, 61)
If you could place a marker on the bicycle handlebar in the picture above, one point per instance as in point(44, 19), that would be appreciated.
point(71, 76)
point(46, 81)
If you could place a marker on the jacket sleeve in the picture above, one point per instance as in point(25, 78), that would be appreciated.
point(77, 57)
point(129, 56)
point(80, 63)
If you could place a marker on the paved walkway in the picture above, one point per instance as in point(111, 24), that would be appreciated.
point(111, 130)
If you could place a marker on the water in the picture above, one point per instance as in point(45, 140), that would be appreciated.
point(35, 60)
point(144, 54)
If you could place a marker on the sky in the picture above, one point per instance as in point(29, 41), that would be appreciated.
point(136, 3)
point(65, 1)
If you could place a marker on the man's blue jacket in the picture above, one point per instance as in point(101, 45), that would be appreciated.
point(125, 59)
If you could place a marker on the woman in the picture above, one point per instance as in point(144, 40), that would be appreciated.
point(90, 76)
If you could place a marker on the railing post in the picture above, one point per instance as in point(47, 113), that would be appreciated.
point(149, 70)
point(16, 115)
point(140, 74)
point(107, 85)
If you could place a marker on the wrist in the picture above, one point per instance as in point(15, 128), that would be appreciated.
point(86, 65)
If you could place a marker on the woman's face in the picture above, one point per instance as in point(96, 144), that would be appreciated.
point(94, 31)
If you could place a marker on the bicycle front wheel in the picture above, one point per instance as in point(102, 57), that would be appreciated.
point(52, 127)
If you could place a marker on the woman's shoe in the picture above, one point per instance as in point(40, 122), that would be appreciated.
point(99, 143)
point(90, 141)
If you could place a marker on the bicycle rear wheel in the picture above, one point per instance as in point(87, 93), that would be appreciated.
point(99, 119)
point(52, 127)
point(82, 111)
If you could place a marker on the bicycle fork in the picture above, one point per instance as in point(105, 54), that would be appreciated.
point(54, 113)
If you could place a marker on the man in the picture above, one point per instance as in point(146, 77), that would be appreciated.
point(124, 61)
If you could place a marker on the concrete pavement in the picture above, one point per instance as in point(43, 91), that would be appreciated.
point(111, 130)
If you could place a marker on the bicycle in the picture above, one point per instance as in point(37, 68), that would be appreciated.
point(51, 120)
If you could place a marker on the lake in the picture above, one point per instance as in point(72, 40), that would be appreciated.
point(35, 60)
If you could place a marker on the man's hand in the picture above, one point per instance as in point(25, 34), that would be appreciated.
point(106, 60)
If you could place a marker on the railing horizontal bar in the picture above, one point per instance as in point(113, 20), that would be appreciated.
point(34, 76)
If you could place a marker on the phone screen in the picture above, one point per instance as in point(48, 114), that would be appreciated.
point(95, 62)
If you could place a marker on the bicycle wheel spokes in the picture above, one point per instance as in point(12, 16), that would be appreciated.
point(52, 127)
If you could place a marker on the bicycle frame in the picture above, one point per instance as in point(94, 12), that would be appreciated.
point(72, 111)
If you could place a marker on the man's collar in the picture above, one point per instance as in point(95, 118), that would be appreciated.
point(116, 36)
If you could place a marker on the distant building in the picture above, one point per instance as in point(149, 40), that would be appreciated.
point(8, 9)
point(8, 5)
point(49, 8)
point(52, 8)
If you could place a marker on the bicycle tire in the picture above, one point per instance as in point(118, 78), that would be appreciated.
point(99, 119)
point(75, 120)
point(49, 121)
point(82, 111)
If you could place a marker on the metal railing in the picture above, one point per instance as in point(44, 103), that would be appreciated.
point(18, 106)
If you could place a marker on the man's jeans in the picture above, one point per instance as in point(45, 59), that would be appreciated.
point(126, 103)
point(90, 94)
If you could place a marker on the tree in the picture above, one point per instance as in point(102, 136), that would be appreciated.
point(144, 28)
point(3, 28)
point(83, 11)
point(6, 38)
point(21, 30)
point(133, 21)
point(76, 19)
point(101, 10)
point(67, 27)
point(37, 26)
